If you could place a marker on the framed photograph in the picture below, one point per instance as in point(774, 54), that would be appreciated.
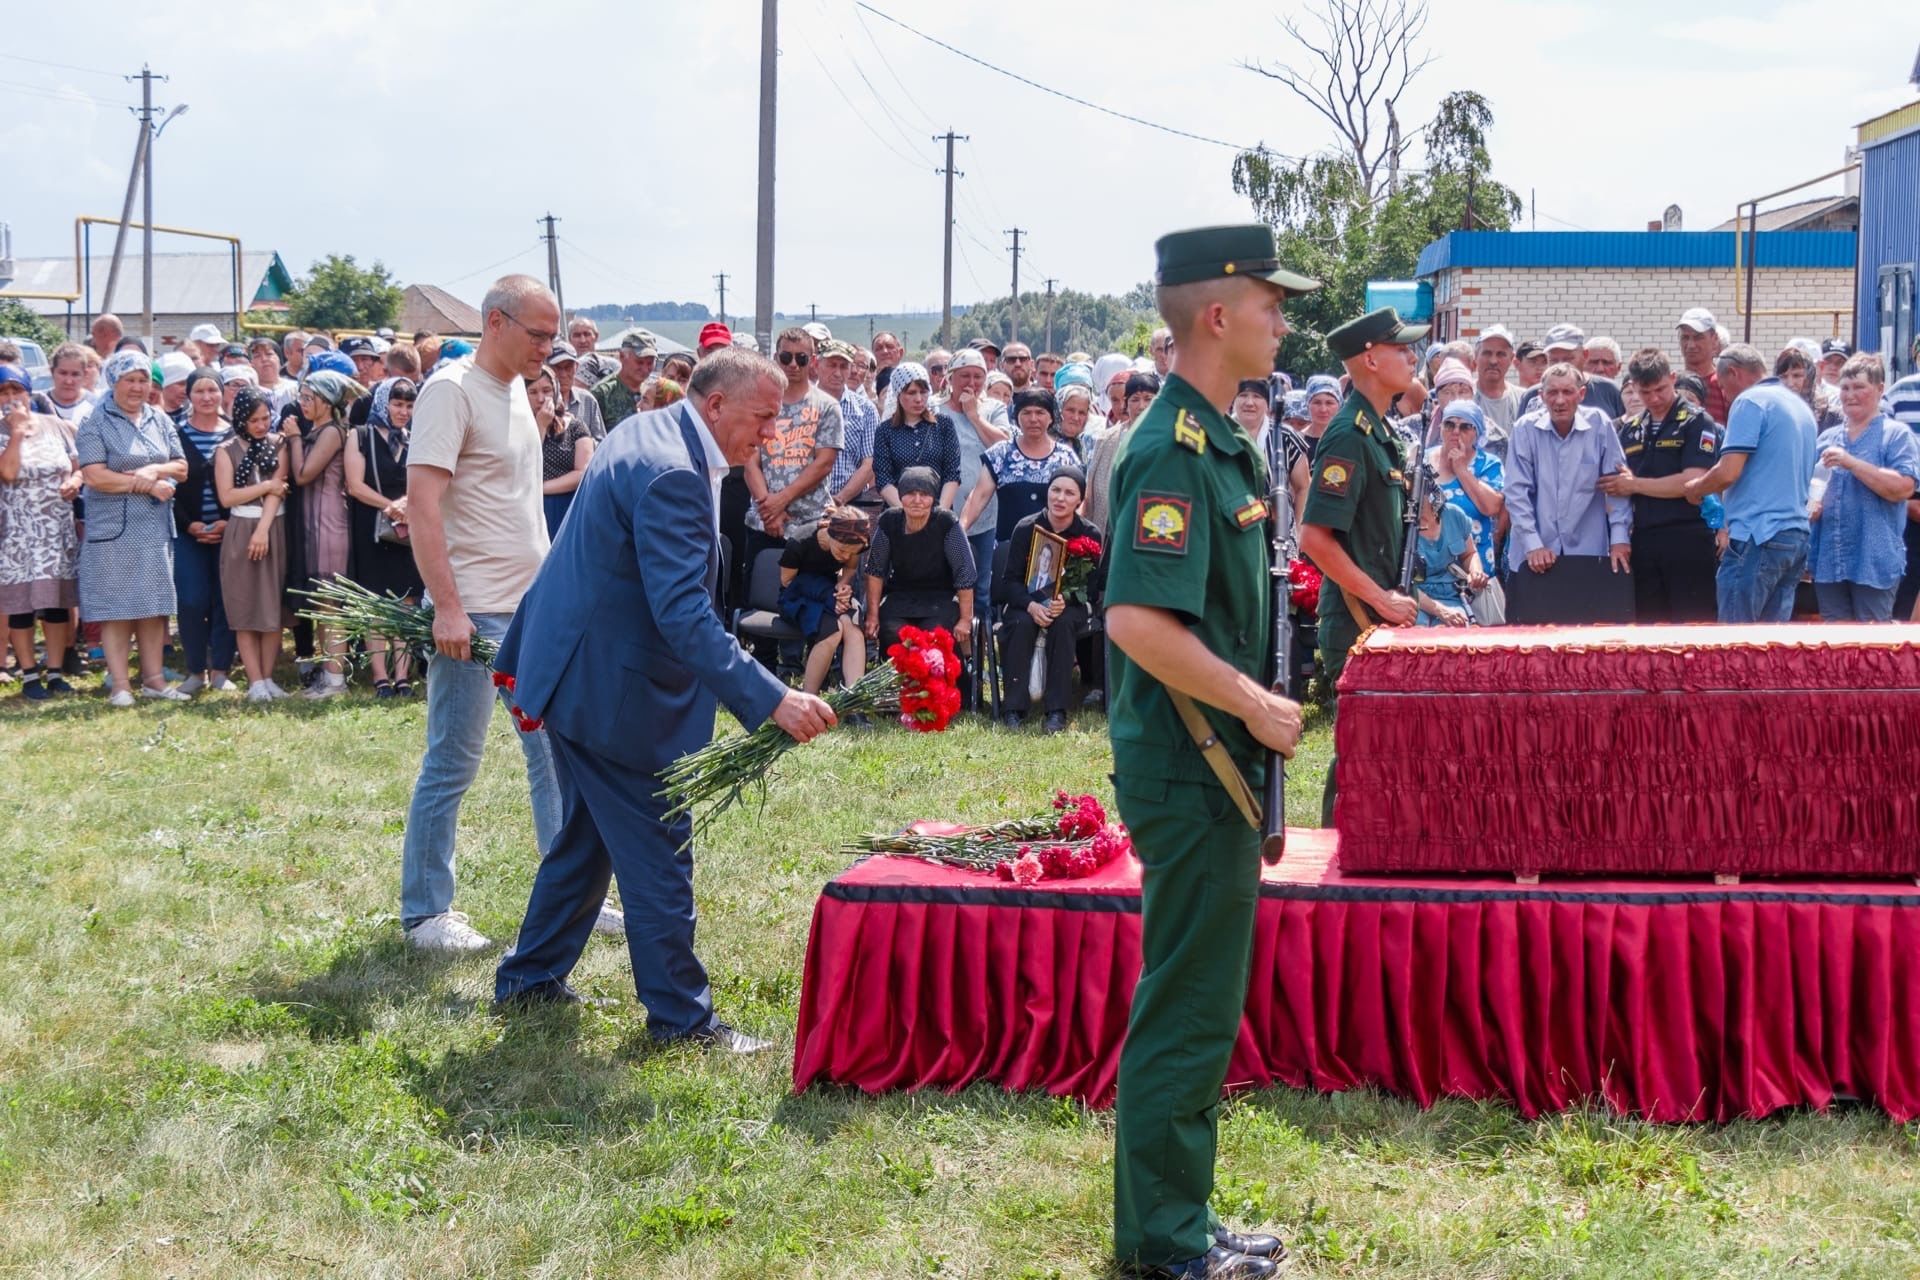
point(1045, 561)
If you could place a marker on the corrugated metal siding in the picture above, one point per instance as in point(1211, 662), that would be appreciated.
point(1886, 126)
point(1889, 222)
point(1619, 249)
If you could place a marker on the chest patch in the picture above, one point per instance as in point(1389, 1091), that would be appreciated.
point(1336, 476)
point(1162, 522)
point(1251, 512)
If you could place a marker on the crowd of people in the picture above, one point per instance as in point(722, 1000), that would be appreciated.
point(197, 494)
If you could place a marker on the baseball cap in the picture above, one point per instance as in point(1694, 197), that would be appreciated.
point(1527, 350)
point(1565, 337)
point(233, 349)
point(562, 354)
point(175, 368)
point(985, 344)
point(1491, 332)
point(966, 358)
point(639, 344)
point(1835, 347)
point(204, 333)
point(817, 331)
point(714, 335)
point(385, 335)
point(262, 343)
point(835, 349)
point(357, 347)
point(238, 373)
point(17, 377)
point(1698, 319)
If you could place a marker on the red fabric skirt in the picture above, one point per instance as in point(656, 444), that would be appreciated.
point(1674, 1002)
point(1644, 751)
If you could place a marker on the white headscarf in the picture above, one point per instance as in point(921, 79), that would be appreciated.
point(1103, 370)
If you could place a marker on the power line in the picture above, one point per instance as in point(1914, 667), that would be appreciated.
point(857, 113)
point(518, 253)
point(888, 64)
point(64, 66)
point(618, 273)
point(1047, 88)
point(60, 93)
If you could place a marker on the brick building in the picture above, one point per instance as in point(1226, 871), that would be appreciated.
point(1633, 285)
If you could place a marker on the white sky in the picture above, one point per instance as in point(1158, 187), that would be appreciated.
point(430, 136)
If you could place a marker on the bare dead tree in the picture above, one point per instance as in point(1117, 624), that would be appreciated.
point(1367, 58)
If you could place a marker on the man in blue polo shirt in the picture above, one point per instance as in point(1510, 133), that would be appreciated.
point(1765, 464)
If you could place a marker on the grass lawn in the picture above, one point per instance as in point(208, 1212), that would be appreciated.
point(217, 1058)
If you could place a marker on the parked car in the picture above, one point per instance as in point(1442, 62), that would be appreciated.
point(34, 360)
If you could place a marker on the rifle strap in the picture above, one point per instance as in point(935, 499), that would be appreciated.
point(1215, 753)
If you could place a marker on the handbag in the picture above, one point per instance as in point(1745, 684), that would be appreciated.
point(385, 528)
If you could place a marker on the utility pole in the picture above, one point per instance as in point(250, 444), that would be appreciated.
point(813, 313)
point(1013, 334)
point(146, 79)
point(553, 265)
point(946, 262)
point(126, 215)
point(722, 278)
point(763, 256)
point(1050, 284)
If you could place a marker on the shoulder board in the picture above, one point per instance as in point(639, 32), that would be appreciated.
point(1189, 434)
point(1685, 414)
point(1362, 421)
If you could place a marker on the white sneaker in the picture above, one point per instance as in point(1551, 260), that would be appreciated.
point(275, 691)
point(193, 684)
point(612, 919)
point(449, 932)
point(221, 684)
point(258, 692)
point(120, 698)
point(329, 685)
point(165, 693)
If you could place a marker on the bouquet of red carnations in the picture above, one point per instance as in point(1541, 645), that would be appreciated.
point(919, 682)
point(1071, 840)
point(1303, 586)
point(1083, 556)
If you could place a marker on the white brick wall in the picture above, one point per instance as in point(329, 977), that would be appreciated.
point(1638, 307)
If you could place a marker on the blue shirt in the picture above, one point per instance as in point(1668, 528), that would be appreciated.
point(1488, 471)
point(1775, 429)
point(1860, 536)
point(858, 420)
point(1455, 536)
point(1553, 489)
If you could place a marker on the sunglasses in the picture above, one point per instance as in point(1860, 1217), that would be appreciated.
point(936, 368)
point(800, 358)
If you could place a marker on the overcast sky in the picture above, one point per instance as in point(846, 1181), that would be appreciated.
point(431, 136)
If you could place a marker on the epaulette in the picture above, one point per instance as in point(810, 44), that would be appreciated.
point(1189, 434)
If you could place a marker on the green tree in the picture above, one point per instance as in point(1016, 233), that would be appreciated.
point(1095, 323)
point(337, 293)
point(16, 321)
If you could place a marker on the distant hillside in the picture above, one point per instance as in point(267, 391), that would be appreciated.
point(917, 331)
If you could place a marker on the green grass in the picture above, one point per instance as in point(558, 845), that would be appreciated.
point(217, 1058)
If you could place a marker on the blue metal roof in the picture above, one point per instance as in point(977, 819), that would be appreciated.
point(1631, 249)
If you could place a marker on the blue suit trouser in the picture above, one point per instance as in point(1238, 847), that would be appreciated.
point(613, 824)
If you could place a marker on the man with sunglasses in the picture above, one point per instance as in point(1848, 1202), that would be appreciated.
point(938, 361)
point(1017, 360)
point(787, 476)
point(619, 395)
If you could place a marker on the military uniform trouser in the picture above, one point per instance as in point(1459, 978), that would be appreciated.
point(1337, 636)
point(1200, 884)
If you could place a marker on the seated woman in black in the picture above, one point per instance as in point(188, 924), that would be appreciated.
point(817, 570)
point(920, 571)
point(1025, 616)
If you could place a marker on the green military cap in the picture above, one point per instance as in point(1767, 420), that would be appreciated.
point(1214, 253)
point(1382, 328)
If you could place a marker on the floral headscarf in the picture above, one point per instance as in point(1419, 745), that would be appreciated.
point(337, 389)
point(258, 458)
point(122, 363)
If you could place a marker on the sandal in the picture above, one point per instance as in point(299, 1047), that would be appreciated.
point(383, 688)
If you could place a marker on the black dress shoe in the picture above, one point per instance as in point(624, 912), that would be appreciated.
point(1056, 722)
point(549, 994)
point(1255, 1246)
point(730, 1040)
point(1013, 719)
point(1215, 1264)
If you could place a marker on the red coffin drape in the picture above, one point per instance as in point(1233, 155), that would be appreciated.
point(1671, 1002)
point(1760, 751)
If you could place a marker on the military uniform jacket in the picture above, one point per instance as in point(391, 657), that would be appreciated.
point(1684, 439)
point(1190, 528)
point(1359, 490)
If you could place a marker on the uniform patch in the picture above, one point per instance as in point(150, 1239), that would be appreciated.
point(1707, 443)
point(1162, 523)
point(1668, 444)
point(1189, 434)
point(1252, 512)
point(1336, 475)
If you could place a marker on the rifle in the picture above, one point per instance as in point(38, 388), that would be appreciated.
point(1424, 480)
point(1273, 810)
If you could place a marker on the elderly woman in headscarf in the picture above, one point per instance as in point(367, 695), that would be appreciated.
point(1019, 470)
point(1107, 370)
point(250, 477)
point(39, 546)
point(379, 556)
point(319, 469)
point(131, 460)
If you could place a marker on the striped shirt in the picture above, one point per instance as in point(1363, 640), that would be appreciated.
point(205, 442)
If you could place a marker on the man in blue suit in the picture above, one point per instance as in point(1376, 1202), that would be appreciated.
point(619, 648)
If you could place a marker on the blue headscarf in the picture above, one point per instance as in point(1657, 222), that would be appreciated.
point(122, 363)
point(1069, 375)
point(330, 362)
point(382, 396)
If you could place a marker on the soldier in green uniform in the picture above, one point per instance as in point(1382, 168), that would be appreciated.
point(1187, 612)
point(1354, 525)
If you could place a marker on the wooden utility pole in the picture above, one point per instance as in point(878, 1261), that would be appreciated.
point(722, 278)
point(1050, 284)
point(553, 264)
point(946, 271)
point(763, 256)
point(1013, 333)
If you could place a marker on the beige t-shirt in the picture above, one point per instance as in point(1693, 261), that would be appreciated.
point(482, 430)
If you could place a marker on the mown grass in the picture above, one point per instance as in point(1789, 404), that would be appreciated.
point(217, 1058)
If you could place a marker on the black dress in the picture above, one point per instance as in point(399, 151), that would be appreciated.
point(379, 566)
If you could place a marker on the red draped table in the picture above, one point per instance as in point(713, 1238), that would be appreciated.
point(1674, 1001)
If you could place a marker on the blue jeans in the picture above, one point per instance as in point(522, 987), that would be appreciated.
point(983, 544)
point(204, 631)
point(1854, 602)
point(1757, 579)
point(460, 697)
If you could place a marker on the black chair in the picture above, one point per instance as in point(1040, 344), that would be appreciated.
point(760, 619)
point(990, 642)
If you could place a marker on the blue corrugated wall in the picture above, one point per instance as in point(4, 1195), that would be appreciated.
point(1889, 222)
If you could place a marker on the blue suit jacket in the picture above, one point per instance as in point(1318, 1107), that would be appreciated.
point(617, 644)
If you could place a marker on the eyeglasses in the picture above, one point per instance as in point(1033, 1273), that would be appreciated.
point(545, 337)
point(800, 358)
point(936, 368)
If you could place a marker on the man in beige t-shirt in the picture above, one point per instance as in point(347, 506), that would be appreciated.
point(478, 536)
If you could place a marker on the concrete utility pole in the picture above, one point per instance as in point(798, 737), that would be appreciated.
point(553, 264)
point(1050, 284)
point(813, 313)
point(1013, 334)
point(722, 278)
point(763, 266)
point(946, 262)
point(126, 215)
point(146, 79)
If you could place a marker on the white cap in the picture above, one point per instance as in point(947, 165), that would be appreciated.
point(1491, 332)
point(175, 368)
point(380, 345)
point(237, 373)
point(747, 340)
point(1569, 337)
point(1698, 319)
point(817, 331)
point(387, 334)
point(205, 333)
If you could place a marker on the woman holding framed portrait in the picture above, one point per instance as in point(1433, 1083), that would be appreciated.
point(1038, 599)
